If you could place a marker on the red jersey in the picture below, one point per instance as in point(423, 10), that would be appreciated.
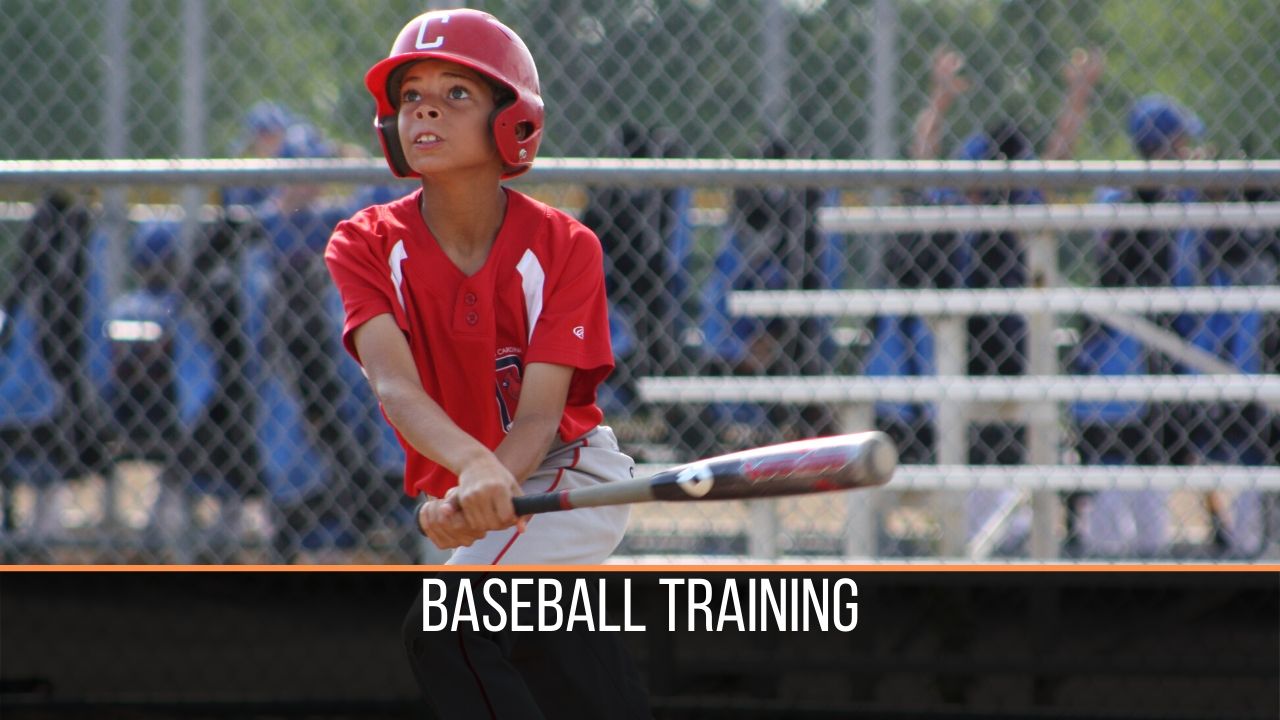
point(539, 297)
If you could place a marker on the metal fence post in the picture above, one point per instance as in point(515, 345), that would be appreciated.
point(952, 432)
point(1044, 431)
point(862, 516)
point(115, 139)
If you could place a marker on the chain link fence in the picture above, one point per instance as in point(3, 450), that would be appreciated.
point(174, 389)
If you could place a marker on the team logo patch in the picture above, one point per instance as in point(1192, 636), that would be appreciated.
point(580, 332)
point(509, 373)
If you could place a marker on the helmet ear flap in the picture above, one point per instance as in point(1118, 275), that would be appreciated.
point(388, 128)
point(517, 135)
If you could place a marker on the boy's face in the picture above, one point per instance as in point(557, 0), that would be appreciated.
point(444, 119)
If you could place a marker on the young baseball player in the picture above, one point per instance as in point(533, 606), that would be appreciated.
point(479, 316)
point(478, 313)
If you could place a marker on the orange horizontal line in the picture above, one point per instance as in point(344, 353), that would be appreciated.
point(709, 568)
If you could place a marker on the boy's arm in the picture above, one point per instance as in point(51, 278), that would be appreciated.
point(544, 390)
point(485, 486)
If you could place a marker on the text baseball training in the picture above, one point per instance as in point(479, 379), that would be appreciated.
point(756, 604)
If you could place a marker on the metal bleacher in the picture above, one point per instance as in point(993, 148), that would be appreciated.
point(1036, 399)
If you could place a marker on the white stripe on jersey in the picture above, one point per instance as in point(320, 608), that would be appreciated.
point(532, 278)
point(398, 255)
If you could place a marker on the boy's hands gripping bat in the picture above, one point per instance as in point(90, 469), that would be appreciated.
point(841, 462)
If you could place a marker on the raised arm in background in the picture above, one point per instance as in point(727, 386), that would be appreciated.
point(945, 85)
point(1081, 73)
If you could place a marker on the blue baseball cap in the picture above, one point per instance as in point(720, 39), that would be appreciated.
point(262, 117)
point(1002, 140)
point(1155, 121)
point(265, 116)
point(977, 146)
point(155, 242)
point(305, 141)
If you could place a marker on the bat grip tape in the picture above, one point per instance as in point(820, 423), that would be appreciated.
point(614, 493)
point(539, 503)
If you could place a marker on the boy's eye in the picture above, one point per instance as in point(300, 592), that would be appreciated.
point(457, 92)
point(410, 96)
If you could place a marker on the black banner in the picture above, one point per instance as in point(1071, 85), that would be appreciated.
point(684, 643)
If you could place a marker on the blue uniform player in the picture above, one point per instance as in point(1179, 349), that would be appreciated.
point(1183, 434)
point(772, 241)
point(265, 126)
point(904, 345)
point(297, 225)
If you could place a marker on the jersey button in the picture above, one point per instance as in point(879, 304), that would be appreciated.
point(472, 318)
point(469, 298)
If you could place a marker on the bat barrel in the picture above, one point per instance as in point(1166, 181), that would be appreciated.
point(882, 458)
point(855, 460)
point(841, 462)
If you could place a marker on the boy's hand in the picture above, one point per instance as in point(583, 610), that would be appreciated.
point(484, 492)
point(443, 524)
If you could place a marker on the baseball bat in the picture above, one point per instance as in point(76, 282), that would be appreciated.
point(840, 462)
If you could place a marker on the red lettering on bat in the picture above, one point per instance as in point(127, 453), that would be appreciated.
point(819, 461)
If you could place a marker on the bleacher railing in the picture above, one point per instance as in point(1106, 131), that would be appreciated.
point(1036, 398)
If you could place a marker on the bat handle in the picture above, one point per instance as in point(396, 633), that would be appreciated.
point(540, 503)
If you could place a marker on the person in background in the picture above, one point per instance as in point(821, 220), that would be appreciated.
point(165, 376)
point(772, 241)
point(263, 136)
point(1160, 128)
point(639, 267)
point(51, 328)
point(221, 453)
point(996, 345)
point(297, 223)
point(647, 241)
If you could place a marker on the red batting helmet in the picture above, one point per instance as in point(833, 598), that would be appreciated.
point(478, 41)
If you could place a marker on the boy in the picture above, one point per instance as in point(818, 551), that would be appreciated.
point(478, 313)
point(479, 316)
